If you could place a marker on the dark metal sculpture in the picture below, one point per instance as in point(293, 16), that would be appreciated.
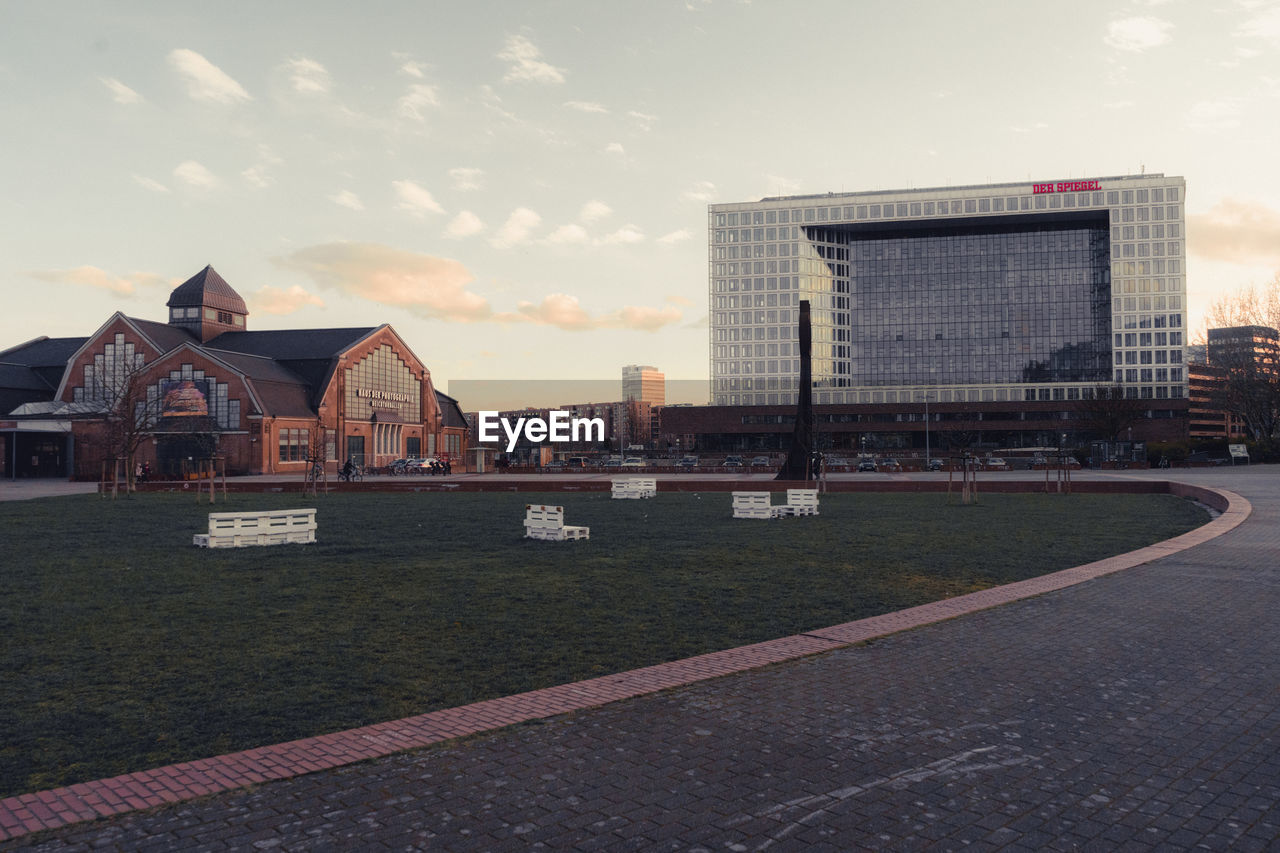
point(800, 458)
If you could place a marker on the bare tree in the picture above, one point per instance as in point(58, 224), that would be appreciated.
point(1243, 339)
point(128, 409)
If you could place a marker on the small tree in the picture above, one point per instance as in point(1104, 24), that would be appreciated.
point(317, 451)
point(128, 409)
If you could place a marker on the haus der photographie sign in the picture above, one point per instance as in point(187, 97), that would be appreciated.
point(376, 399)
point(1065, 187)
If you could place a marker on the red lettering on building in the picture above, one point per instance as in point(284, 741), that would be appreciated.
point(1065, 187)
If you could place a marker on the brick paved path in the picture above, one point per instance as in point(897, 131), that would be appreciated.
point(1139, 710)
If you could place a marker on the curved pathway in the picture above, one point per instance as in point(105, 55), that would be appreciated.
point(1140, 709)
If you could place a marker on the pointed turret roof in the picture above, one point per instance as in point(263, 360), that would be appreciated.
point(207, 288)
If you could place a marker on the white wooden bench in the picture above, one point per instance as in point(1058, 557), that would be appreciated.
point(752, 505)
point(547, 522)
point(799, 502)
point(269, 527)
point(635, 487)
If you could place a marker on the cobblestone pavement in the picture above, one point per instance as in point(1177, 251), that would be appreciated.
point(1137, 711)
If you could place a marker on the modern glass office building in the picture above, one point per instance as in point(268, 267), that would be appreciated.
point(1038, 291)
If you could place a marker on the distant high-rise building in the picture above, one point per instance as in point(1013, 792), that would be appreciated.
point(644, 383)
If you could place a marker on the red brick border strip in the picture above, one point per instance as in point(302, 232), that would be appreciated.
point(28, 813)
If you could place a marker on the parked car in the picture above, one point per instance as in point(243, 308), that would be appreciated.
point(688, 462)
point(866, 465)
point(995, 463)
point(760, 461)
point(612, 463)
point(935, 464)
point(421, 465)
point(890, 465)
point(732, 461)
point(576, 462)
point(835, 462)
point(1038, 461)
point(633, 462)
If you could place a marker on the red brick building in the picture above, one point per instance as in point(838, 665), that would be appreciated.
point(203, 384)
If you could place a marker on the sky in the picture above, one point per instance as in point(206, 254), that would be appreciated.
point(521, 188)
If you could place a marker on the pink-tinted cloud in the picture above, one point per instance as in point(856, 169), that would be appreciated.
point(565, 312)
point(1237, 231)
point(424, 284)
point(278, 300)
point(89, 276)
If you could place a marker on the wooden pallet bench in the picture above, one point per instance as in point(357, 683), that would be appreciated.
point(269, 527)
point(759, 504)
point(547, 522)
point(635, 487)
point(752, 505)
point(799, 502)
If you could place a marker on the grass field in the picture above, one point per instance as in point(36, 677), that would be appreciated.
point(123, 647)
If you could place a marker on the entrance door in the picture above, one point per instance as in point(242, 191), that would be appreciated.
point(355, 449)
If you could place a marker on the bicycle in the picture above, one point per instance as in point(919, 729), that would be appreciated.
point(355, 474)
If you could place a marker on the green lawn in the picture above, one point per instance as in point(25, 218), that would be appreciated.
point(123, 647)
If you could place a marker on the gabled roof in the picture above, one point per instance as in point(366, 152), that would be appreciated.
point(452, 412)
point(310, 353)
point(293, 344)
point(207, 288)
point(164, 336)
point(43, 352)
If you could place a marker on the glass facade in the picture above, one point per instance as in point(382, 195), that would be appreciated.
point(963, 306)
point(995, 292)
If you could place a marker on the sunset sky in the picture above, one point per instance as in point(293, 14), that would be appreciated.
point(520, 188)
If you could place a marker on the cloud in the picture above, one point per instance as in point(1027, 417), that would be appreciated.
point(275, 300)
point(257, 177)
point(412, 104)
point(568, 234)
point(465, 224)
point(586, 107)
point(120, 93)
point(346, 198)
point(195, 175)
point(1029, 129)
point(1137, 34)
point(615, 148)
point(517, 229)
point(206, 81)
point(527, 65)
point(307, 76)
point(466, 179)
point(625, 234)
point(1264, 25)
point(429, 286)
point(704, 191)
point(148, 183)
point(644, 120)
point(414, 69)
point(88, 276)
point(415, 199)
point(1237, 231)
point(676, 299)
point(675, 237)
point(593, 211)
point(436, 288)
point(565, 312)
